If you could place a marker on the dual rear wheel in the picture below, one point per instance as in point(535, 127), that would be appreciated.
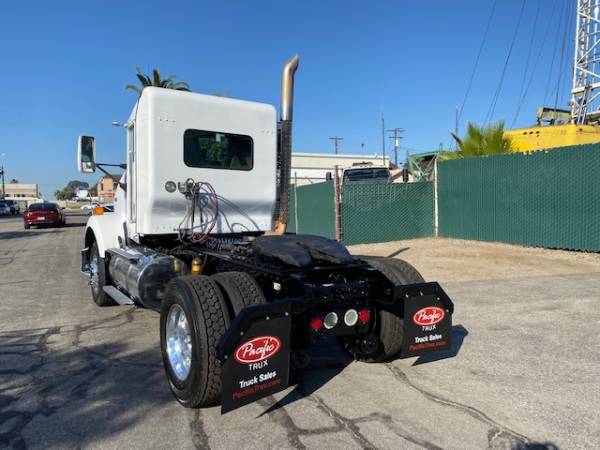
point(195, 312)
point(389, 324)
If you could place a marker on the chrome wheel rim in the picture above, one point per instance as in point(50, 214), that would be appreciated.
point(94, 274)
point(179, 342)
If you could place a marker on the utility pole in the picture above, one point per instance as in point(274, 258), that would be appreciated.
point(382, 135)
point(456, 121)
point(337, 140)
point(396, 137)
point(3, 189)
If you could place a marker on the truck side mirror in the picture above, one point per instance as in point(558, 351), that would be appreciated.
point(86, 154)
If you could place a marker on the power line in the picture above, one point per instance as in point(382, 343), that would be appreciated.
point(535, 65)
point(522, 88)
point(337, 140)
point(483, 40)
point(562, 55)
point(568, 32)
point(554, 52)
point(490, 114)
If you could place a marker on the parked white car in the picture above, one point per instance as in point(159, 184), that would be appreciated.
point(4, 209)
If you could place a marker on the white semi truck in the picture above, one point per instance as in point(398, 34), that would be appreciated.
point(198, 233)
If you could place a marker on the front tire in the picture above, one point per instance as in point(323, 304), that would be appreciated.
point(389, 327)
point(189, 347)
point(98, 278)
point(27, 226)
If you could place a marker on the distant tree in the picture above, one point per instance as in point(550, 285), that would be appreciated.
point(482, 140)
point(157, 81)
point(69, 191)
point(13, 181)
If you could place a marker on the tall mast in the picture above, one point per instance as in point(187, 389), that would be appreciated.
point(586, 67)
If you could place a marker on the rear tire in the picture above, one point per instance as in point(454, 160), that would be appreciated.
point(27, 226)
point(98, 266)
point(241, 289)
point(390, 325)
point(202, 302)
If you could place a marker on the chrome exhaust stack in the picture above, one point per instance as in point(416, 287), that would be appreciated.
point(284, 154)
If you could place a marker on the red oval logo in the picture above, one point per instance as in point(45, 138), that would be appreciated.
point(429, 316)
point(257, 349)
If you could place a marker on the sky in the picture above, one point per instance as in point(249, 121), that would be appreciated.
point(66, 63)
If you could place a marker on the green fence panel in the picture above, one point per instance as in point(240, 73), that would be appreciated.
point(386, 212)
point(312, 209)
point(541, 199)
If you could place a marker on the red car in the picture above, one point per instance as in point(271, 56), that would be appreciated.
point(43, 214)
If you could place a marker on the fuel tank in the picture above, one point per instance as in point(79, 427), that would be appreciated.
point(143, 274)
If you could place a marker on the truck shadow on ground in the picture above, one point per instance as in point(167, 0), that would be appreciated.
point(25, 233)
point(69, 395)
point(328, 360)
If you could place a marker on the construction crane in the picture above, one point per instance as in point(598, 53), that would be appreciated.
point(580, 125)
point(586, 64)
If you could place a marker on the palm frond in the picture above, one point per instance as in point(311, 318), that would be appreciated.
point(156, 77)
point(133, 87)
point(483, 140)
point(156, 80)
point(181, 86)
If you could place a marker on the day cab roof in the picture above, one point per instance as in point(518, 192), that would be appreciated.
point(155, 100)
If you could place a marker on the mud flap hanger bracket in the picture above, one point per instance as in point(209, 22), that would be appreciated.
point(406, 291)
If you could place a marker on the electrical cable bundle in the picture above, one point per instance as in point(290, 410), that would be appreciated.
point(202, 204)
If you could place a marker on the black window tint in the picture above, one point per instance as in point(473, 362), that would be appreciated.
point(214, 150)
point(41, 207)
point(381, 173)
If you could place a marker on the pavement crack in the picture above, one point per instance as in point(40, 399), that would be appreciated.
point(349, 424)
point(199, 435)
point(282, 417)
point(470, 410)
point(388, 422)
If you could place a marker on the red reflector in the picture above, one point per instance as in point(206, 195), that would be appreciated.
point(364, 315)
point(316, 323)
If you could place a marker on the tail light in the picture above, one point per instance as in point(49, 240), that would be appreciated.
point(316, 323)
point(364, 315)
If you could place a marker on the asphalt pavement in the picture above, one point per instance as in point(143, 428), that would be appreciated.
point(523, 372)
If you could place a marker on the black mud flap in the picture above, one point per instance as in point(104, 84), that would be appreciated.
point(255, 355)
point(427, 319)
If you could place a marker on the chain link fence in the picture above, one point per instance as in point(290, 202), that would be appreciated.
point(541, 199)
point(384, 212)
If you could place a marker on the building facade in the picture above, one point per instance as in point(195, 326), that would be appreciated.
point(310, 168)
point(107, 188)
point(23, 193)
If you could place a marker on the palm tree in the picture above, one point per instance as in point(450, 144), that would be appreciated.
point(483, 140)
point(157, 81)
